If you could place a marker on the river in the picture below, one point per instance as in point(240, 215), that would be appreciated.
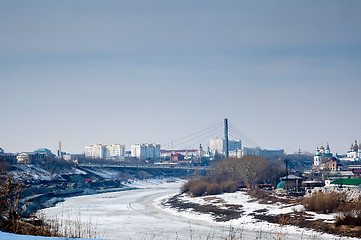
point(134, 215)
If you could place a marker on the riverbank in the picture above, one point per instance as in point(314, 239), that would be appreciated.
point(239, 209)
point(89, 226)
point(144, 214)
point(49, 190)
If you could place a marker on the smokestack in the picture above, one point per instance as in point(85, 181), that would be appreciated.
point(59, 153)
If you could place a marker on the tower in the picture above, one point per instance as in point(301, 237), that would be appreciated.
point(226, 138)
point(317, 158)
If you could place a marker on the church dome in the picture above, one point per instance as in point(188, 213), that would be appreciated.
point(355, 146)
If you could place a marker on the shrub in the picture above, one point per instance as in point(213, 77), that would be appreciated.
point(229, 186)
point(213, 189)
point(9, 198)
point(197, 188)
point(323, 203)
point(185, 187)
point(55, 165)
point(352, 218)
point(258, 193)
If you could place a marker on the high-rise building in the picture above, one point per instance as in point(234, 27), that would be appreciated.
point(114, 151)
point(144, 151)
point(219, 146)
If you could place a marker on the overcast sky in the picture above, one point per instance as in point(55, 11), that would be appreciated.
point(285, 73)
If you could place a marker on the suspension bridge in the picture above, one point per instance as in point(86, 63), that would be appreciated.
point(222, 130)
point(225, 131)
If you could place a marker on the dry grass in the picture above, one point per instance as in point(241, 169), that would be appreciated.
point(13, 220)
point(324, 203)
point(351, 218)
point(220, 213)
point(265, 197)
point(349, 214)
point(72, 228)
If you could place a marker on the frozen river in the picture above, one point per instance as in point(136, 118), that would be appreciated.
point(136, 215)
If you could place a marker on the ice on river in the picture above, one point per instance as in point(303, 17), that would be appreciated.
point(138, 214)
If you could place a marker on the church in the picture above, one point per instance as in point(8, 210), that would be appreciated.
point(321, 155)
point(354, 154)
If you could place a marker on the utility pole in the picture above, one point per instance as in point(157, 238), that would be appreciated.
point(299, 152)
point(226, 137)
point(286, 183)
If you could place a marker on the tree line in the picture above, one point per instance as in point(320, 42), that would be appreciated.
point(230, 173)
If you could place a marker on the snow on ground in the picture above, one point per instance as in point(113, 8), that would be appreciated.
point(141, 212)
point(105, 173)
point(10, 236)
point(35, 173)
point(152, 183)
point(29, 172)
point(247, 221)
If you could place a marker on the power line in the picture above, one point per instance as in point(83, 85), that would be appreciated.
point(193, 136)
point(243, 136)
point(212, 131)
point(199, 141)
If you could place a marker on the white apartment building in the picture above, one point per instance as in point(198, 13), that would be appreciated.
point(219, 146)
point(145, 151)
point(114, 151)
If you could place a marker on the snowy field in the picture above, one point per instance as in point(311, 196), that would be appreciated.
point(138, 214)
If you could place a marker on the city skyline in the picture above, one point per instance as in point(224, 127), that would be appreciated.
point(286, 73)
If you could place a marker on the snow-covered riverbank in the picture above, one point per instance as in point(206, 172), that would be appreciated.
point(140, 214)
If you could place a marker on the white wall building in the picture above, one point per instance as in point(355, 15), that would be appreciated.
point(354, 154)
point(219, 146)
point(266, 153)
point(23, 158)
point(145, 151)
point(114, 151)
point(321, 154)
point(187, 153)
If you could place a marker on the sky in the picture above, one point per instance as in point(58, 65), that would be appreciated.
point(285, 73)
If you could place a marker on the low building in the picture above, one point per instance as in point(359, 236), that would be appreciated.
point(187, 153)
point(344, 183)
point(44, 151)
point(334, 175)
point(8, 157)
point(23, 158)
point(30, 158)
point(73, 157)
point(266, 153)
point(333, 165)
point(177, 157)
point(292, 182)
